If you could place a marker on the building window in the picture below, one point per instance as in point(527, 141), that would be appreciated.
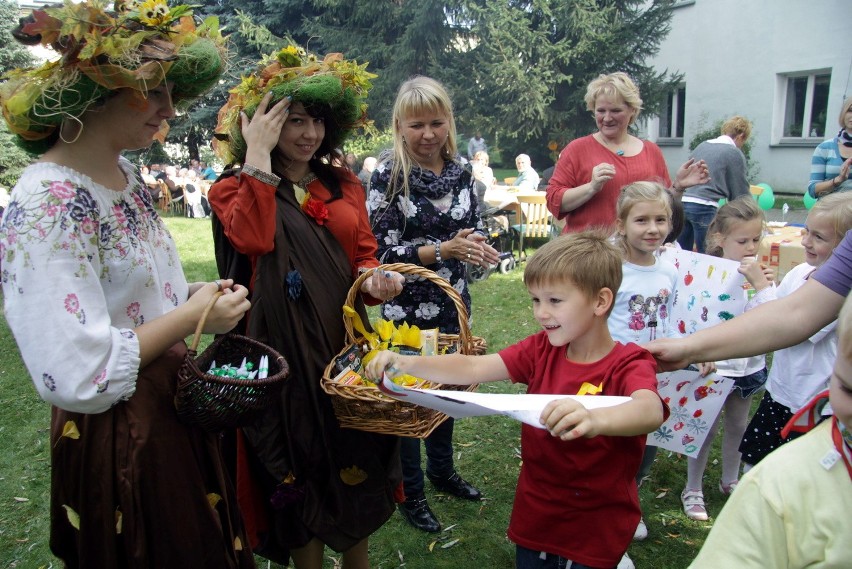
point(673, 113)
point(805, 105)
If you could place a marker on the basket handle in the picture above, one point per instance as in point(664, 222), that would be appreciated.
point(465, 343)
point(196, 338)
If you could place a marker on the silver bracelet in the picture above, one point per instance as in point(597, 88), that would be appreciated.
point(437, 251)
point(261, 176)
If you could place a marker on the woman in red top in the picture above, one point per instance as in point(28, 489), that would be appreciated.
point(592, 170)
point(294, 227)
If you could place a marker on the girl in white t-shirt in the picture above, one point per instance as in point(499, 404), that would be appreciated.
point(801, 371)
point(735, 233)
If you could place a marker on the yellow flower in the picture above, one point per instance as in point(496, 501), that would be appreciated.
point(153, 12)
point(385, 329)
point(290, 56)
point(406, 335)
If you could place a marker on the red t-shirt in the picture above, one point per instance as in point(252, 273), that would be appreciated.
point(574, 169)
point(577, 499)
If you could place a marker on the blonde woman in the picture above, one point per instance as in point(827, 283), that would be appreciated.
point(592, 170)
point(423, 206)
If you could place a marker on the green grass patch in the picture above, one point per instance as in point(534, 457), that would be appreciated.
point(487, 454)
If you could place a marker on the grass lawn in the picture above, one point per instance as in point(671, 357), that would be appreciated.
point(487, 454)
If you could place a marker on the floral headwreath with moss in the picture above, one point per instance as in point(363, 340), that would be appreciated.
point(340, 84)
point(137, 45)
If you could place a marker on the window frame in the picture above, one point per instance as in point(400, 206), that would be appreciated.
point(676, 115)
point(783, 109)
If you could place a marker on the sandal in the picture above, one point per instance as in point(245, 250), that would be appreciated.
point(726, 489)
point(693, 505)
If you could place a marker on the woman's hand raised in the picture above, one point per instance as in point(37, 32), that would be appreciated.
point(262, 131)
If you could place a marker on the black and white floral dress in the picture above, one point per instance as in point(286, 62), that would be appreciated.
point(436, 208)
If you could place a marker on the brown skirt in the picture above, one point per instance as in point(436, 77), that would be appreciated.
point(139, 489)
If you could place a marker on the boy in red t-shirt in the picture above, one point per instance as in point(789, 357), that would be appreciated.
point(576, 497)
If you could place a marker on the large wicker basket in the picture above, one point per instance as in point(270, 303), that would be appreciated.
point(366, 408)
point(214, 402)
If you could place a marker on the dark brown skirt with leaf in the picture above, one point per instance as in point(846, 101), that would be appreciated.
point(300, 475)
point(133, 487)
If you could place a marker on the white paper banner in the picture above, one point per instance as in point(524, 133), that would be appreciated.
point(525, 407)
point(695, 402)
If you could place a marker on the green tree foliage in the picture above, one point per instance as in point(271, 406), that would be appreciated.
point(12, 55)
point(516, 70)
point(534, 59)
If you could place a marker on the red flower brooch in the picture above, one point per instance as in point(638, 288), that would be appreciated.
point(315, 208)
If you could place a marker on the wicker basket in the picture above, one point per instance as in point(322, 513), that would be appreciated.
point(366, 408)
point(215, 403)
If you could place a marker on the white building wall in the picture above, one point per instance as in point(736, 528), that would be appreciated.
point(731, 53)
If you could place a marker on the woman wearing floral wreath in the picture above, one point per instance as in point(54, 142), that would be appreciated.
point(97, 299)
point(424, 210)
point(293, 227)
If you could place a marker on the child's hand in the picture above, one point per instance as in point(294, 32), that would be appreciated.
point(384, 361)
point(706, 368)
point(756, 273)
point(568, 420)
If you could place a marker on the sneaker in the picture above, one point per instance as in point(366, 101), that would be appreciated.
point(625, 563)
point(641, 531)
point(726, 489)
point(693, 505)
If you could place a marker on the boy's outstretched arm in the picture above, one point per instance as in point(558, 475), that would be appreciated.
point(455, 369)
point(568, 419)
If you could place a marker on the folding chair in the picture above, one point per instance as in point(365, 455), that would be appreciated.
point(534, 220)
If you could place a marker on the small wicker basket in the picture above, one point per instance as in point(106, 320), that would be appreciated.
point(216, 403)
point(366, 408)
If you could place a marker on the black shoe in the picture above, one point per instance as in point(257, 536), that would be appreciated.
point(457, 486)
point(416, 511)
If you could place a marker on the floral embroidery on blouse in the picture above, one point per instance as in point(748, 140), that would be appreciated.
point(81, 254)
point(72, 305)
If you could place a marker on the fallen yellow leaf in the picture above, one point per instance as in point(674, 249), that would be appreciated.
point(238, 544)
point(73, 517)
point(70, 430)
point(432, 546)
point(213, 498)
point(352, 475)
point(119, 518)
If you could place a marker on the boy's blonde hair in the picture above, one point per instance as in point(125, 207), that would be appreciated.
point(635, 193)
point(614, 86)
point(585, 259)
point(838, 208)
point(740, 210)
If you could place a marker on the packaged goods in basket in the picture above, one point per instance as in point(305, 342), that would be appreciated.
point(231, 393)
point(358, 403)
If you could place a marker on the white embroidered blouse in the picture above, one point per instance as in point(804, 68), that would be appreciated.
point(82, 266)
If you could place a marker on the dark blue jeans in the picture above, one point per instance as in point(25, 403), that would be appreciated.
point(439, 458)
point(697, 219)
point(529, 559)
